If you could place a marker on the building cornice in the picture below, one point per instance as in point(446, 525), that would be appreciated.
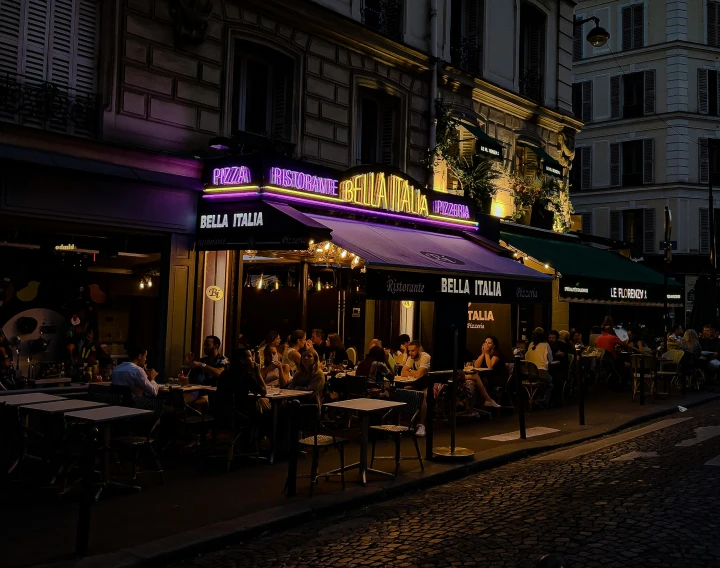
point(658, 117)
point(616, 195)
point(25, 137)
point(644, 51)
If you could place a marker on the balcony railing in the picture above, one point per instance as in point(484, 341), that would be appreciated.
point(48, 106)
point(465, 53)
point(384, 16)
point(531, 85)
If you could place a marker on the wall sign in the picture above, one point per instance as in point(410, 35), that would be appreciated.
point(214, 293)
point(488, 319)
point(552, 170)
point(420, 286)
point(384, 191)
point(225, 220)
point(608, 291)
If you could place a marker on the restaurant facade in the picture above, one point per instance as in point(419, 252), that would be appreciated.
point(366, 253)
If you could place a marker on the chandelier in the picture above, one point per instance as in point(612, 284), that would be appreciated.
point(328, 253)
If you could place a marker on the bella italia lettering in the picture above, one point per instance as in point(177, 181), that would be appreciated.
point(447, 209)
point(391, 193)
point(222, 221)
point(463, 286)
point(479, 315)
point(628, 293)
point(291, 179)
point(231, 176)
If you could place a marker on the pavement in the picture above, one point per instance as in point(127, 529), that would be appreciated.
point(201, 507)
point(645, 498)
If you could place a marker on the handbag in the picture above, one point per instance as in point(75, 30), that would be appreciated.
point(262, 405)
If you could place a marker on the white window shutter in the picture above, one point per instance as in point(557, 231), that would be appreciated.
point(11, 19)
point(279, 105)
point(648, 160)
point(713, 23)
point(86, 60)
point(387, 134)
point(615, 96)
point(616, 232)
point(587, 223)
point(578, 42)
point(649, 231)
point(627, 28)
point(704, 230)
point(704, 160)
point(703, 101)
point(62, 40)
point(615, 166)
point(586, 167)
point(36, 40)
point(649, 77)
point(587, 101)
point(638, 32)
point(467, 143)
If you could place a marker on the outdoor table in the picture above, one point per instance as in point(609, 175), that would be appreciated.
point(29, 398)
point(62, 406)
point(275, 400)
point(365, 407)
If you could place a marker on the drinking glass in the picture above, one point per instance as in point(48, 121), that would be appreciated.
point(345, 363)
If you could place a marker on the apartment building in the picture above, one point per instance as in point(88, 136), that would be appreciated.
point(649, 102)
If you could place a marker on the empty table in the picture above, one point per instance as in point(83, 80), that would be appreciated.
point(365, 407)
point(62, 406)
point(29, 398)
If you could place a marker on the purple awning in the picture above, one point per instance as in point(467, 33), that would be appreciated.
point(385, 246)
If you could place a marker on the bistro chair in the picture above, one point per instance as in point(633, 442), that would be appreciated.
point(239, 426)
point(568, 386)
point(405, 423)
point(137, 444)
point(189, 417)
point(647, 363)
point(532, 382)
point(689, 372)
point(669, 368)
point(123, 394)
point(605, 369)
point(352, 355)
point(102, 393)
point(314, 436)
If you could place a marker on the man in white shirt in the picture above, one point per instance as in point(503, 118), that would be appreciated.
point(132, 374)
point(417, 366)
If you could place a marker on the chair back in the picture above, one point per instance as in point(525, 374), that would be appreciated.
point(352, 355)
point(305, 418)
point(124, 393)
point(646, 361)
point(356, 387)
point(153, 403)
point(102, 393)
point(177, 401)
point(673, 355)
point(571, 366)
point(413, 400)
point(530, 370)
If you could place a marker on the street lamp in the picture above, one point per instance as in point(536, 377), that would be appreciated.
point(598, 36)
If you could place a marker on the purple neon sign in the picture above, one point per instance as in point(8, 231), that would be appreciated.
point(447, 209)
point(291, 179)
point(235, 175)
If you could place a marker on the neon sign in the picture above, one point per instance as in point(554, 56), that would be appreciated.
point(392, 194)
point(304, 182)
point(221, 221)
point(448, 209)
point(231, 176)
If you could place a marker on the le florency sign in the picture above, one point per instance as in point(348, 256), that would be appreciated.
point(227, 220)
point(628, 293)
point(390, 193)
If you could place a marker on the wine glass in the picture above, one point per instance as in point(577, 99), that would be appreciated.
point(345, 363)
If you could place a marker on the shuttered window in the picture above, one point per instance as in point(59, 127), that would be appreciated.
point(708, 163)
point(704, 224)
point(583, 100)
point(467, 19)
point(708, 92)
point(262, 91)
point(615, 165)
point(378, 135)
point(713, 23)
point(616, 226)
point(648, 160)
point(649, 94)
point(615, 109)
point(632, 163)
point(633, 27)
point(50, 40)
point(587, 223)
point(578, 42)
point(633, 94)
point(649, 231)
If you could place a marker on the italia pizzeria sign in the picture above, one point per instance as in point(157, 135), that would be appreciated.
point(386, 191)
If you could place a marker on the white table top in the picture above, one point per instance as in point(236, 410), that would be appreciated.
point(365, 404)
point(63, 405)
point(288, 393)
point(106, 413)
point(29, 398)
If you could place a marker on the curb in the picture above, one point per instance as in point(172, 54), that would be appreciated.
point(240, 529)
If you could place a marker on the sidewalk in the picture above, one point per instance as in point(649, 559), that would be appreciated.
point(201, 508)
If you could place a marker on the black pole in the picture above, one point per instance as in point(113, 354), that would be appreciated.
point(580, 388)
point(453, 411)
point(291, 484)
point(642, 377)
point(429, 417)
point(519, 398)
point(82, 537)
point(712, 148)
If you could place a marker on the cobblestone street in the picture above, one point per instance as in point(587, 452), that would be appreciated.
point(646, 501)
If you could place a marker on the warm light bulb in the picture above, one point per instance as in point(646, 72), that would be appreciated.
point(515, 255)
point(327, 246)
point(312, 242)
point(142, 284)
point(547, 265)
point(277, 284)
point(260, 283)
point(343, 254)
point(356, 260)
point(149, 283)
point(319, 285)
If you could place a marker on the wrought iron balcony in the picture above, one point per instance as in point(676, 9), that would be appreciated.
point(48, 106)
point(384, 16)
point(465, 53)
point(531, 85)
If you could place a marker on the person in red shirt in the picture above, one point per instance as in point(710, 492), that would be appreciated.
point(608, 341)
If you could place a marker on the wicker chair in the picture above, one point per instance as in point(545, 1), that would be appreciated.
point(239, 426)
point(135, 445)
point(405, 423)
point(532, 382)
point(669, 368)
point(647, 363)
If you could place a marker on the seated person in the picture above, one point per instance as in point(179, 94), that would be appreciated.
point(710, 343)
point(490, 358)
point(132, 373)
point(205, 371)
point(241, 382)
point(400, 349)
point(417, 366)
point(595, 332)
point(609, 341)
point(309, 376)
point(540, 353)
point(675, 338)
point(273, 372)
point(635, 344)
point(379, 371)
point(691, 343)
point(389, 359)
point(336, 352)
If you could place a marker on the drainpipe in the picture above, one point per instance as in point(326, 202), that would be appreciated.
point(432, 134)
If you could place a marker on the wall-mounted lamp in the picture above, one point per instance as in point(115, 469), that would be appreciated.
point(598, 36)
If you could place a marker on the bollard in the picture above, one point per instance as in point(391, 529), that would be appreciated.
point(453, 392)
point(642, 379)
point(429, 418)
point(519, 398)
point(291, 483)
point(580, 387)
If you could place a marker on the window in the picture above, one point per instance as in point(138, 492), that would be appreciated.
point(709, 163)
point(705, 229)
point(379, 131)
point(587, 223)
point(632, 163)
point(583, 100)
point(636, 227)
point(527, 164)
point(384, 16)
point(466, 34)
point(578, 40)
point(708, 92)
point(532, 52)
point(713, 23)
point(632, 95)
point(581, 173)
point(263, 91)
point(633, 27)
point(465, 148)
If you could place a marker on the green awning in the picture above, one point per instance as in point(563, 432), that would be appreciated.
point(550, 165)
point(486, 145)
point(590, 273)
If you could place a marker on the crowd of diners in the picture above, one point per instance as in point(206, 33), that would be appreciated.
point(307, 363)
